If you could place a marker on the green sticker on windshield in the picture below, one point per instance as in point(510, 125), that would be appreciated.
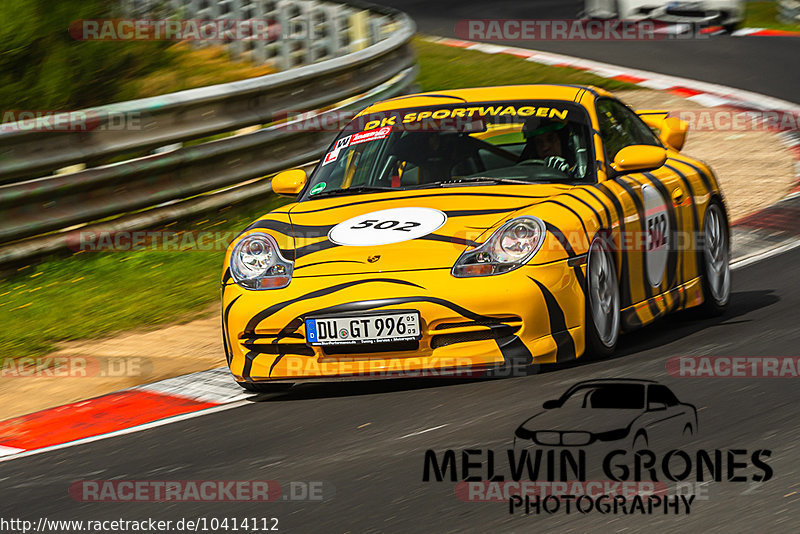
point(318, 188)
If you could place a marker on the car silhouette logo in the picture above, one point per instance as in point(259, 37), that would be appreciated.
point(373, 259)
point(642, 411)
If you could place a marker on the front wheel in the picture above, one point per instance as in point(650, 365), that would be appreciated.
point(602, 300)
point(715, 261)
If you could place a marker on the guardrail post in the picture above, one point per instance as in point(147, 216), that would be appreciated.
point(789, 11)
point(359, 38)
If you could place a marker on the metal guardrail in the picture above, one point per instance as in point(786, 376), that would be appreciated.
point(30, 206)
point(789, 11)
point(310, 30)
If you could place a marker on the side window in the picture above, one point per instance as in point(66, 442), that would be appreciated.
point(621, 127)
point(662, 394)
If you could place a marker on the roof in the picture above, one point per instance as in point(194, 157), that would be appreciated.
point(614, 381)
point(485, 94)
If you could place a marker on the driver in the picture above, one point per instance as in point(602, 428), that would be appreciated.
point(546, 139)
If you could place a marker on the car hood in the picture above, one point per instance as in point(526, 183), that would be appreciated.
point(424, 229)
point(594, 420)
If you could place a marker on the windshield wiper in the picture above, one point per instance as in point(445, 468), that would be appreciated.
point(477, 179)
point(357, 189)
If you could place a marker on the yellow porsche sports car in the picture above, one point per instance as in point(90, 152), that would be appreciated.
point(475, 231)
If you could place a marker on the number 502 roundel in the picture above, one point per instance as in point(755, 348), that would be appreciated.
point(387, 226)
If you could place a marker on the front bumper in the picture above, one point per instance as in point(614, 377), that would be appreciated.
point(469, 325)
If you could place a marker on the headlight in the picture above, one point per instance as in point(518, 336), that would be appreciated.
point(509, 247)
point(256, 263)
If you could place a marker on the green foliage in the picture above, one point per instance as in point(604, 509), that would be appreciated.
point(42, 67)
point(443, 67)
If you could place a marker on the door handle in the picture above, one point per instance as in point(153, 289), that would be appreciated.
point(677, 196)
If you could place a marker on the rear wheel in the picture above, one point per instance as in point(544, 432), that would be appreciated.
point(715, 261)
point(602, 300)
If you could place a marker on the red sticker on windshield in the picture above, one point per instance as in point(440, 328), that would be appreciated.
point(355, 139)
point(370, 135)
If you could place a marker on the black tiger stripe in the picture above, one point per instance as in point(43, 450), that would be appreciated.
point(411, 197)
point(625, 289)
point(515, 352)
point(297, 230)
point(638, 203)
point(269, 224)
point(263, 314)
point(511, 350)
point(298, 253)
point(450, 239)
point(605, 208)
point(468, 213)
point(700, 172)
point(594, 211)
point(226, 342)
point(559, 235)
point(580, 219)
point(248, 363)
point(695, 217)
point(558, 326)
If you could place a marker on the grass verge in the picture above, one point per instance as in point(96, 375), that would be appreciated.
point(92, 294)
point(445, 67)
point(765, 15)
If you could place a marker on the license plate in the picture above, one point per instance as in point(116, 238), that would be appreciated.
point(358, 329)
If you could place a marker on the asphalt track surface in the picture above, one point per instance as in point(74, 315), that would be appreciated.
point(367, 440)
point(766, 65)
point(364, 440)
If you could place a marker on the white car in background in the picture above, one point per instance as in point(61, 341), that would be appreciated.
point(726, 13)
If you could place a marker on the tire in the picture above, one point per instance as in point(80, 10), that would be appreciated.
point(715, 261)
point(602, 300)
point(730, 27)
point(266, 387)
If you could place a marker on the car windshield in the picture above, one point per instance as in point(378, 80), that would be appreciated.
point(608, 396)
point(458, 144)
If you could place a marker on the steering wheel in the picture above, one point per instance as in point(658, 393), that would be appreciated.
point(532, 162)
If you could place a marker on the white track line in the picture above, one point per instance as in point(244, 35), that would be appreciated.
point(759, 256)
point(424, 431)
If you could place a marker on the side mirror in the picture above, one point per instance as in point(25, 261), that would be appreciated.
point(673, 132)
point(549, 405)
point(670, 130)
point(639, 158)
point(656, 406)
point(289, 183)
